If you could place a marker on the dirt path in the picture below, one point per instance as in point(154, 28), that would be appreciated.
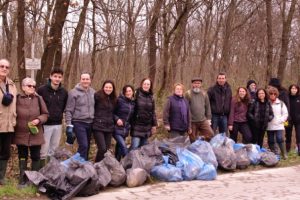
point(278, 183)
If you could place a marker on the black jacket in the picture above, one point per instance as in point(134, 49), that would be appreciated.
point(144, 114)
point(295, 108)
point(124, 110)
point(104, 113)
point(220, 99)
point(55, 100)
point(254, 113)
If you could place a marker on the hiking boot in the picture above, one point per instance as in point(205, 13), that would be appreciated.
point(3, 166)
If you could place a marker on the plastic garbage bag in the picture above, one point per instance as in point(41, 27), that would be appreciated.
point(224, 152)
point(253, 153)
point(75, 157)
point(135, 159)
point(35, 177)
point(136, 177)
point(242, 159)
point(174, 143)
point(62, 153)
point(166, 151)
point(238, 146)
point(207, 172)
point(269, 159)
point(166, 172)
point(152, 150)
point(118, 174)
point(192, 164)
point(204, 151)
point(104, 176)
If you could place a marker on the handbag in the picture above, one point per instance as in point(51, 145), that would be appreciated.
point(7, 97)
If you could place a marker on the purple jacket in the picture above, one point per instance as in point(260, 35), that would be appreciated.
point(238, 112)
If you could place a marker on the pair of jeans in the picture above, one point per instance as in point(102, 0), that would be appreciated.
point(103, 141)
point(244, 129)
point(83, 133)
point(5, 142)
point(137, 142)
point(275, 134)
point(52, 135)
point(34, 152)
point(219, 121)
point(121, 147)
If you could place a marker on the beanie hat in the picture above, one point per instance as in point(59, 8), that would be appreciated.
point(250, 82)
point(275, 82)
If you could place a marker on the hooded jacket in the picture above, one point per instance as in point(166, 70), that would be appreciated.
point(80, 105)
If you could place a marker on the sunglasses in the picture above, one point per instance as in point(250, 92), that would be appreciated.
point(31, 86)
point(4, 67)
point(272, 94)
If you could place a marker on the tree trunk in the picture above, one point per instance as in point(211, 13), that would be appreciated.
point(269, 40)
point(286, 30)
point(7, 31)
point(52, 52)
point(21, 40)
point(76, 40)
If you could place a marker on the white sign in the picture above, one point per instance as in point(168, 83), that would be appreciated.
point(32, 63)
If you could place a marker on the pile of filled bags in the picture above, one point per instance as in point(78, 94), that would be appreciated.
point(170, 160)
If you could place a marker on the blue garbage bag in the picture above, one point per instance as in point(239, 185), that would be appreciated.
point(238, 146)
point(253, 153)
point(76, 157)
point(204, 150)
point(221, 139)
point(191, 164)
point(207, 172)
point(166, 172)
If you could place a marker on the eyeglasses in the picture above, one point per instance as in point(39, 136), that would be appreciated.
point(31, 86)
point(4, 67)
point(272, 94)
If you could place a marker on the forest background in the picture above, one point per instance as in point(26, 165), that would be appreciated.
point(167, 40)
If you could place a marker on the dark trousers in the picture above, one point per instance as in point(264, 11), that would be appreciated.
point(83, 133)
point(34, 152)
point(219, 121)
point(289, 133)
point(258, 134)
point(121, 147)
point(103, 141)
point(244, 129)
point(5, 142)
point(203, 129)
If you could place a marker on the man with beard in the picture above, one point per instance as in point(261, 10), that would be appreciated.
point(200, 111)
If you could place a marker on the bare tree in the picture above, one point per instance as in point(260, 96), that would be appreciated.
point(21, 40)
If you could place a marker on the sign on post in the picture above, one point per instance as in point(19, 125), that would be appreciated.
point(32, 63)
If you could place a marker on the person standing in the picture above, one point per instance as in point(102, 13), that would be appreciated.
point(294, 97)
point(276, 125)
point(55, 97)
point(8, 95)
point(238, 116)
point(103, 124)
point(123, 116)
point(79, 114)
point(144, 120)
point(176, 115)
point(252, 88)
point(260, 113)
point(29, 135)
point(200, 111)
point(220, 100)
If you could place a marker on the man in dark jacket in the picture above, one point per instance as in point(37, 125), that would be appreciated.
point(55, 97)
point(220, 100)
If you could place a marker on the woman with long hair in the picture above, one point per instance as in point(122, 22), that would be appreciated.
point(259, 114)
point(238, 116)
point(103, 124)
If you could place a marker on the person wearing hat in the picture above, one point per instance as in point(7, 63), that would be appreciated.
point(220, 101)
point(252, 88)
point(200, 111)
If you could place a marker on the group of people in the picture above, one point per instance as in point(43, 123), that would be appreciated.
point(32, 119)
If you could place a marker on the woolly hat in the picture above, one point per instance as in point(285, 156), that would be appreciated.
point(250, 82)
point(275, 82)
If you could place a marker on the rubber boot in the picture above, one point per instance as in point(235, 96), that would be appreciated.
point(288, 147)
point(272, 148)
point(23, 168)
point(35, 165)
point(43, 163)
point(283, 151)
point(3, 165)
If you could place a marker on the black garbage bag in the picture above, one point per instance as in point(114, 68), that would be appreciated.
point(61, 153)
point(77, 172)
point(269, 159)
point(166, 151)
point(135, 159)
point(225, 155)
point(152, 150)
point(173, 143)
point(118, 174)
point(136, 177)
point(35, 177)
point(104, 176)
point(242, 159)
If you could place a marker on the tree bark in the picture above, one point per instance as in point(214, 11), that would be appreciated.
point(7, 31)
point(21, 40)
point(269, 40)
